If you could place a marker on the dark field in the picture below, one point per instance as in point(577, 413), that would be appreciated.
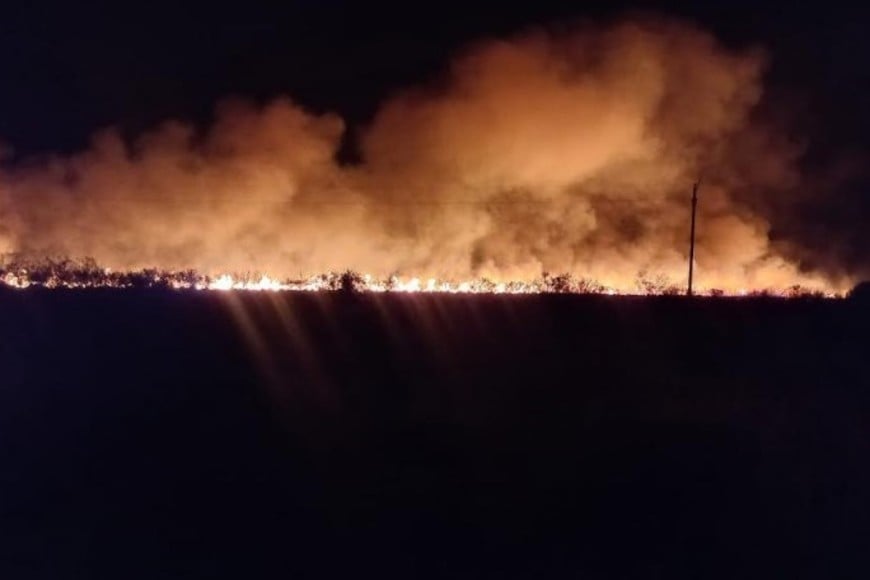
point(152, 434)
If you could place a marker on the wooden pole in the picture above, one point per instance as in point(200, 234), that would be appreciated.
point(692, 239)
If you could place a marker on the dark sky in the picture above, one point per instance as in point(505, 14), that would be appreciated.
point(68, 68)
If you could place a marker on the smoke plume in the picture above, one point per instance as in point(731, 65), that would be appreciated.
point(547, 152)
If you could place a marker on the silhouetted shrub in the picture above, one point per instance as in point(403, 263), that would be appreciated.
point(584, 286)
point(559, 284)
point(486, 285)
point(658, 285)
point(351, 281)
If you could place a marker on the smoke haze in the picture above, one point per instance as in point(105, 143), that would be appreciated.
point(570, 151)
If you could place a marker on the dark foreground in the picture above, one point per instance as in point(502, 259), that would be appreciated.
point(171, 435)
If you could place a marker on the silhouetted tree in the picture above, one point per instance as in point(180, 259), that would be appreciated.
point(350, 281)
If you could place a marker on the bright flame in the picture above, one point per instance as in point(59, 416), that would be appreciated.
point(68, 277)
point(15, 280)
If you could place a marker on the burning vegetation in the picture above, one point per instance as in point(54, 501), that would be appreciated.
point(569, 151)
point(16, 272)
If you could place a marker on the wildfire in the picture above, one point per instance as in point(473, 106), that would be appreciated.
point(510, 168)
point(68, 275)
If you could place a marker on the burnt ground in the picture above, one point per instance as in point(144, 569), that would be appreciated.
point(157, 434)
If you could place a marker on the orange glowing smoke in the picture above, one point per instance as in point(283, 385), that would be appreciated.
point(547, 152)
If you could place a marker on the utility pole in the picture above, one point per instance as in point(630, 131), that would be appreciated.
point(692, 239)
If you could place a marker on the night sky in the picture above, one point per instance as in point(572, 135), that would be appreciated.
point(70, 68)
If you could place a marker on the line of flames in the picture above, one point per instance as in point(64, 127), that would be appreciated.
point(564, 284)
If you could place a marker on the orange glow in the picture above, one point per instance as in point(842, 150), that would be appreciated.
point(571, 151)
point(23, 279)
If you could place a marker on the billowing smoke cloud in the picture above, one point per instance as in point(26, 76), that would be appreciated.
point(548, 152)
